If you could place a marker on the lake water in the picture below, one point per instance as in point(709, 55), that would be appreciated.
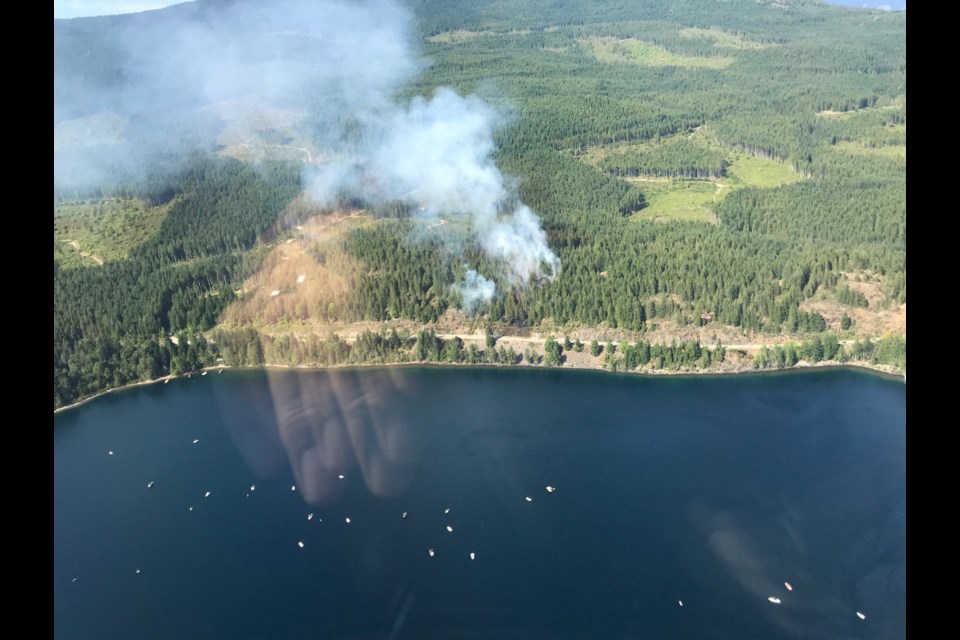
point(713, 491)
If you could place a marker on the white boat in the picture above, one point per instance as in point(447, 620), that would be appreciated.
point(774, 599)
point(431, 552)
point(449, 529)
point(404, 515)
point(150, 485)
point(348, 520)
point(300, 544)
point(551, 489)
point(861, 616)
point(206, 495)
point(788, 586)
point(473, 556)
point(681, 602)
point(529, 499)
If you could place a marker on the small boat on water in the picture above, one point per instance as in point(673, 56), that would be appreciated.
point(449, 529)
point(551, 489)
point(681, 602)
point(774, 599)
point(150, 485)
point(473, 556)
point(431, 552)
point(861, 616)
point(788, 586)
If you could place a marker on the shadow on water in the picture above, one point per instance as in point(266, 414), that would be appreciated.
point(325, 425)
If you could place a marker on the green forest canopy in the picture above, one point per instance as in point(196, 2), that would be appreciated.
point(805, 81)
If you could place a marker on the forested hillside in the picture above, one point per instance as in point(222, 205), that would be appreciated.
point(767, 138)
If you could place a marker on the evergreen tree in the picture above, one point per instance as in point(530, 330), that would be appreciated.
point(595, 348)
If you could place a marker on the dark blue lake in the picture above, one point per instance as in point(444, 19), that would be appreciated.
point(713, 491)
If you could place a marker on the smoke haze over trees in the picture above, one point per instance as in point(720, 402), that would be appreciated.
point(484, 115)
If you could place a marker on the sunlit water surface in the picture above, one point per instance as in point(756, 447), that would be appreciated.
point(710, 491)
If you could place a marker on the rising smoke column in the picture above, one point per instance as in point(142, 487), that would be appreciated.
point(438, 154)
point(194, 68)
point(445, 147)
point(475, 290)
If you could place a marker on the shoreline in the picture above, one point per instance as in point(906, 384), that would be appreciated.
point(873, 369)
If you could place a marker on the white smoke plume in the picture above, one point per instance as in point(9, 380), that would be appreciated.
point(437, 154)
point(314, 78)
point(519, 239)
point(475, 290)
point(238, 73)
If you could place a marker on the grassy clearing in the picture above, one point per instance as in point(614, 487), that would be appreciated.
point(647, 55)
point(678, 200)
point(855, 113)
point(747, 170)
point(255, 132)
point(459, 35)
point(870, 128)
point(593, 156)
point(683, 199)
point(463, 35)
point(897, 151)
point(722, 39)
point(91, 233)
